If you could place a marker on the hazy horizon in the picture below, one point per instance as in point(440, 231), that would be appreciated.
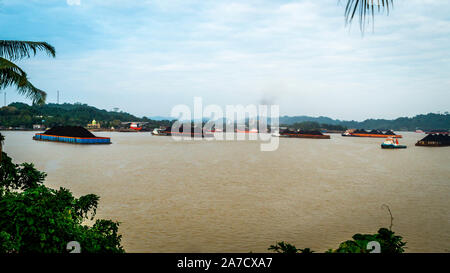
point(160, 117)
point(144, 57)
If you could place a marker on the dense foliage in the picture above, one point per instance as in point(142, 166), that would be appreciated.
point(283, 247)
point(35, 218)
point(389, 243)
point(425, 122)
point(24, 115)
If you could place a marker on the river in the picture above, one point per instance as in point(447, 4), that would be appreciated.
point(228, 196)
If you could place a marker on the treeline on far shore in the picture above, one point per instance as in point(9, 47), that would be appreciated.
point(311, 125)
point(428, 121)
point(24, 116)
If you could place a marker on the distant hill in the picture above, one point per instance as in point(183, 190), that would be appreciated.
point(425, 122)
point(299, 119)
point(24, 115)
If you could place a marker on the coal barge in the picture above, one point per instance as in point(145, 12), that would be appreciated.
point(373, 133)
point(303, 134)
point(71, 134)
point(192, 132)
point(435, 140)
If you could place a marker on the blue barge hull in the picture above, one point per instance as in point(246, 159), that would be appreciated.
point(74, 140)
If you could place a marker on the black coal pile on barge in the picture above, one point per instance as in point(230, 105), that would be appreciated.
point(438, 131)
point(372, 133)
point(69, 131)
point(376, 132)
point(435, 140)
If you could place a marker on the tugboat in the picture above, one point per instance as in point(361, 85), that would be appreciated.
point(391, 143)
point(215, 130)
point(156, 132)
point(252, 131)
point(135, 126)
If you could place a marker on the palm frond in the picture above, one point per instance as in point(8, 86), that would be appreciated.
point(37, 95)
point(10, 77)
point(6, 64)
point(365, 8)
point(15, 50)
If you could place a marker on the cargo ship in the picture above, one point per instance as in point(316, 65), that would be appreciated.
point(373, 133)
point(303, 134)
point(71, 134)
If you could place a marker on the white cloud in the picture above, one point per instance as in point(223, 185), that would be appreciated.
point(73, 2)
point(158, 53)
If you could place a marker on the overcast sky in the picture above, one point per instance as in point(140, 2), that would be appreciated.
point(145, 56)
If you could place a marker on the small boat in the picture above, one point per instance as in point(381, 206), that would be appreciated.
point(135, 126)
point(156, 132)
point(391, 143)
point(215, 130)
point(246, 131)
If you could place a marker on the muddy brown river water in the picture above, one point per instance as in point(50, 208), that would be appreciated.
point(217, 196)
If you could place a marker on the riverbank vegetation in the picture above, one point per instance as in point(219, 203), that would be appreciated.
point(24, 116)
point(38, 219)
point(389, 243)
point(386, 241)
